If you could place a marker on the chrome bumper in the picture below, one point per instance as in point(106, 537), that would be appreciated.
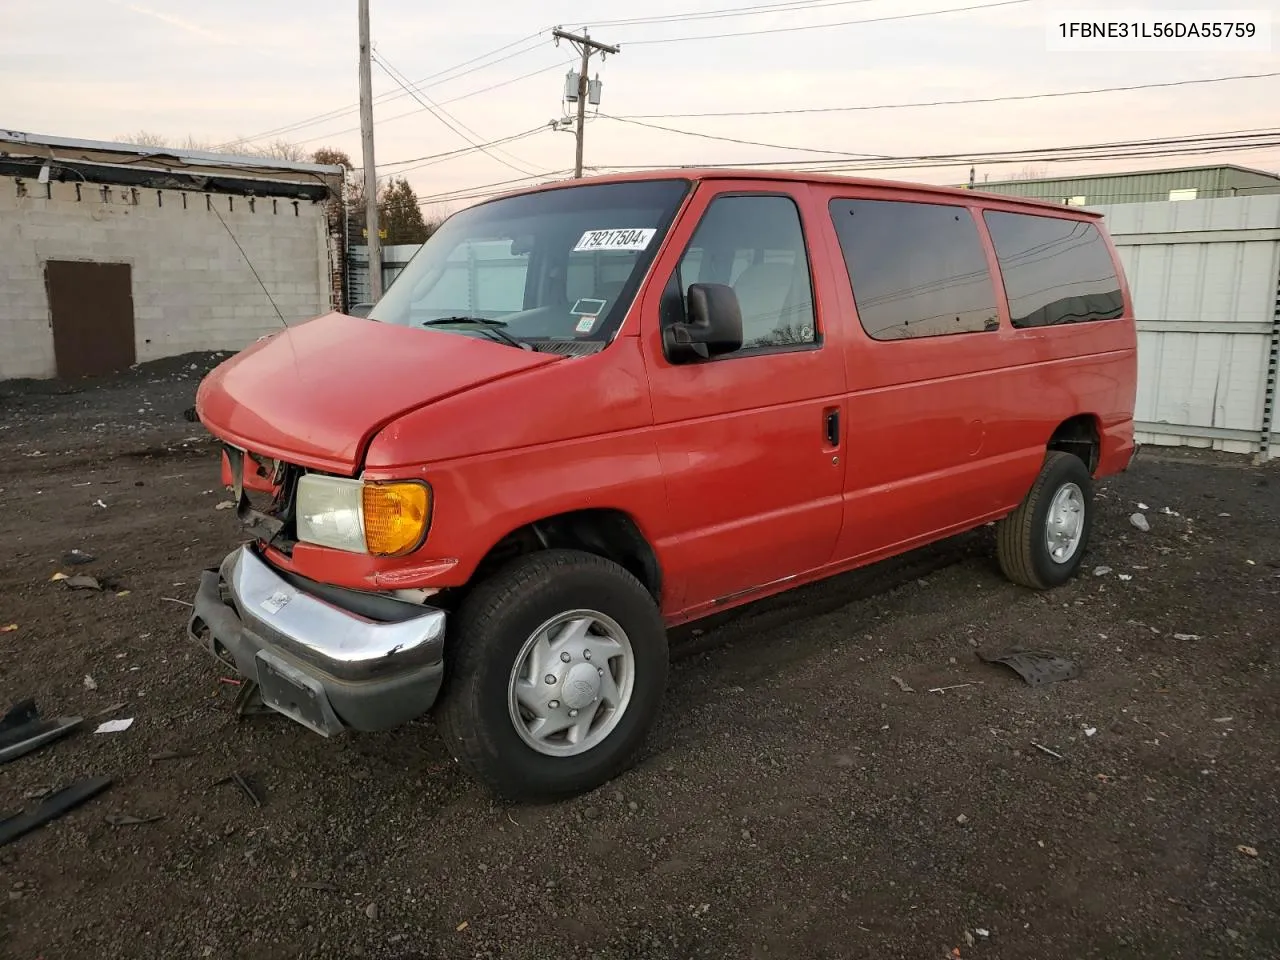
point(322, 664)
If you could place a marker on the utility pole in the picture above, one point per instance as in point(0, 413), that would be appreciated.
point(370, 169)
point(586, 46)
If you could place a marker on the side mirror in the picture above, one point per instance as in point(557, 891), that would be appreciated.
point(713, 327)
point(360, 310)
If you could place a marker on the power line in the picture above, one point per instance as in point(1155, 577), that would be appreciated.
point(465, 96)
point(1218, 142)
point(887, 159)
point(1215, 142)
point(948, 103)
point(750, 11)
point(436, 79)
point(454, 72)
point(432, 158)
point(838, 23)
point(501, 186)
point(452, 122)
point(496, 189)
point(749, 143)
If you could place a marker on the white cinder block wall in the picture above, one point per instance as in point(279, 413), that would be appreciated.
point(192, 289)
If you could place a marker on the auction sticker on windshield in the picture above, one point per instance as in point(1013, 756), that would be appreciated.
point(620, 239)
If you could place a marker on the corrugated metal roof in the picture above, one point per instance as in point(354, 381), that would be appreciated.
point(22, 155)
point(1208, 182)
point(189, 157)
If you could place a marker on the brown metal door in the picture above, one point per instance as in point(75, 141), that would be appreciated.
point(91, 305)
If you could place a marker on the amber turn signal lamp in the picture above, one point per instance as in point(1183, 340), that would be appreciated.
point(395, 517)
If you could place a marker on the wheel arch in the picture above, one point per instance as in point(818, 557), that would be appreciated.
point(607, 532)
point(1080, 435)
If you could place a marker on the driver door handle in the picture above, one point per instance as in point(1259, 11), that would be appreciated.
point(831, 418)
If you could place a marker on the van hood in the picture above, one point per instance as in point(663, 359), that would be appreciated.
point(316, 393)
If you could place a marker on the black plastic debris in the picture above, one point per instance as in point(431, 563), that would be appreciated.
point(22, 730)
point(77, 557)
point(1037, 667)
point(68, 798)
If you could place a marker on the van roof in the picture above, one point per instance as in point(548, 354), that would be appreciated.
point(791, 176)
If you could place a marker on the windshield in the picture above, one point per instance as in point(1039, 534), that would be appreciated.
point(559, 264)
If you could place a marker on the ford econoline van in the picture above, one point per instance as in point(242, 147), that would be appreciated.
point(589, 411)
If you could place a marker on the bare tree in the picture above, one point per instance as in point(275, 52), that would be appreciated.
point(189, 142)
point(143, 138)
point(282, 150)
point(275, 150)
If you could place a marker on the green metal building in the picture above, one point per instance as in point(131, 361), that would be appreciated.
point(1183, 183)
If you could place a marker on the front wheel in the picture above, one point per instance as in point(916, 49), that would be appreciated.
point(1042, 543)
point(556, 675)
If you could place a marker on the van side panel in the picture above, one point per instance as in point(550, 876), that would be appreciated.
point(948, 431)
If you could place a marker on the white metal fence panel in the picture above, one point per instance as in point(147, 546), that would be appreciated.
point(1204, 276)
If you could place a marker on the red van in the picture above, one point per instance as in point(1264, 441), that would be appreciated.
point(592, 410)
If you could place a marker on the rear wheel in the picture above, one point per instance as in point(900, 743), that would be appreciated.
point(1041, 544)
point(556, 675)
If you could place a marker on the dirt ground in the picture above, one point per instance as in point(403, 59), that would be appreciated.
point(796, 800)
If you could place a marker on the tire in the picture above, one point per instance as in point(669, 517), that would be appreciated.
point(478, 710)
point(1022, 537)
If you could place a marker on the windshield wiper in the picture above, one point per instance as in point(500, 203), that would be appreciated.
point(494, 327)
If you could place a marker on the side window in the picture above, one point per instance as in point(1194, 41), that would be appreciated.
point(754, 244)
point(1055, 271)
point(917, 269)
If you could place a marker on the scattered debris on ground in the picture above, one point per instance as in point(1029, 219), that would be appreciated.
point(115, 726)
point(53, 806)
point(23, 730)
point(1036, 667)
point(783, 784)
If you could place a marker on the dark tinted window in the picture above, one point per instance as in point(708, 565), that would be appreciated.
point(918, 269)
point(1055, 271)
point(755, 245)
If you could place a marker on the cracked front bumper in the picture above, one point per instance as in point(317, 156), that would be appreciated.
point(317, 662)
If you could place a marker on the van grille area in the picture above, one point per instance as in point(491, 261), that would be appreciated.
point(265, 494)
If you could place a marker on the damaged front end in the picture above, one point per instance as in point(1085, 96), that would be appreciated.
point(276, 525)
point(329, 657)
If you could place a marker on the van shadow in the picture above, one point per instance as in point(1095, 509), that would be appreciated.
point(754, 622)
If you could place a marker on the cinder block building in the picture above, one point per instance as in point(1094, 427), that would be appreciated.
point(113, 254)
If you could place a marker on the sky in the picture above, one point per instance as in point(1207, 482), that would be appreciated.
point(221, 72)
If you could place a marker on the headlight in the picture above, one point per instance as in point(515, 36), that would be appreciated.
point(385, 519)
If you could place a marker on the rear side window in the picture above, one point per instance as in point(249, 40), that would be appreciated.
point(1055, 271)
point(917, 269)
